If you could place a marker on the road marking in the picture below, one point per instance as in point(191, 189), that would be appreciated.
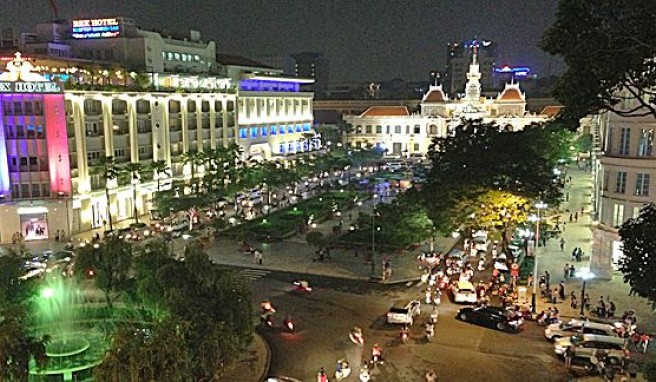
point(252, 275)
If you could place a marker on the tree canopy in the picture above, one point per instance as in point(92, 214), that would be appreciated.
point(639, 247)
point(609, 48)
point(478, 157)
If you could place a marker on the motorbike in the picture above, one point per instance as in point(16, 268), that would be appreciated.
point(404, 335)
point(444, 282)
point(434, 316)
point(364, 375)
point(301, 286)
point(356, 337)
point(265, 320)
point(343, 370)
point(430, 332)
point(481, 265)
point(288, 325)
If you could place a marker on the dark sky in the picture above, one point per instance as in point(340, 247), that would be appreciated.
point(364, 39)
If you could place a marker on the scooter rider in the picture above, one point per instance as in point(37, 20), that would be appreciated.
point(355, 335)
point(430, 330)
point(377, 354)
point(405, 333)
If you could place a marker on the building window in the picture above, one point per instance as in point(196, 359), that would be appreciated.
point(646, 143)
point(432, 129)
point(620, 185)
point(358, 129)
point(604, 186)
point(243, 133)
point(642, 185)
point(273, 130)
point(416, 148)
point(636, 212)
point(281, 129)
point(307, 127)
point(625, 140)
point(618, 215)
point(290, 129)
point(379, 129)
point(397, 129)
point(265, 131)
point(368, 129)
point(253, 132)
point(299, 129)
point(417, 129)
point(282, 148)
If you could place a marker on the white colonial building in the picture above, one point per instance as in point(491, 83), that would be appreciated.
point(624, 165)
point(396, 130)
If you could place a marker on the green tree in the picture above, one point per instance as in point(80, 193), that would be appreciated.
point(12, 289)
point(134, 171)
point(639, 245)
point(17, 346)
point(402, 222)
point(109, 171)
point(109, 264)
point(159, 168)
point(584, 143)
point(608, 46)
point(316, 239)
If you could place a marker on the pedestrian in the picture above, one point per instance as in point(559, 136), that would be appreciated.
point(572, 300)
point(554, 295)
point(586, 301)
point(632, 369)
point(547, 278)
point(562, 244)
point(567, 196)
point(566, 270)
point(561, 290)
point(574, 252)
point(644, 342)
point(611, 310)
point(582, 209)
point(579, 254)
point(572, 271)
point(431, 376)
point(568, 357)
point(632, 291)
point(576, 217)
point(570, 218)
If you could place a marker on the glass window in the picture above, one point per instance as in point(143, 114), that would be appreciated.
point(636, 212)
point(417, 129)
point(625, 140)
point(281, 129)
point(18, 108)
point(265, 131)
point(379, 129)
point(290, 128)
point(618, 214)
point(367, 129)
point(642, 185)
point(620, 185)
point(253, 132)
point(307, 127)
point(243, 133)
point(397, 129)
point(646, 143)
point(299, 129)
point(282, 148)
point(273, 130)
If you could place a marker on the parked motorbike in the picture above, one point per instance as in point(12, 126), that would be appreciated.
point(301, 286)
point(343, 370)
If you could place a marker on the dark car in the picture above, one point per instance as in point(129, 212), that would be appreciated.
point(492, 316)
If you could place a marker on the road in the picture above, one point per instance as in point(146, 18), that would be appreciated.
point(459, 352)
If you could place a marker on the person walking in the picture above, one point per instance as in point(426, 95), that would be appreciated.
point(572, 300)
point(547, 278)
point(574, 252)
point(566, 270)
point(562, 244)
point(561, 290)
point(568, 357)
point(572, 271)
point(576, 217)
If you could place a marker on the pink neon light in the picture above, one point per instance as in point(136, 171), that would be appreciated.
point(57, 143)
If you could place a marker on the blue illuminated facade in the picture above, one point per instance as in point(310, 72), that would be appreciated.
point(252, 85)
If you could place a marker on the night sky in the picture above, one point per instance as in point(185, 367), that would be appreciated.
point(364, 39)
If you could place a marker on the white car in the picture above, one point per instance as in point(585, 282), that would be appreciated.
point(404, 315)
point(587, 345)
point(464, 292)
point(568, 329)
point(480, 243)
point(501, 266)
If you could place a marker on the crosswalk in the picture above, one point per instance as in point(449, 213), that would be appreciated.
point(252, 275)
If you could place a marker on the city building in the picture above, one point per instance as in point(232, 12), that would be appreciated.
point(285, 63)
point(119, 40)
point(623, 162)
point(53, 140)
point(315, 66)
point(398, 131)
point(458, 57)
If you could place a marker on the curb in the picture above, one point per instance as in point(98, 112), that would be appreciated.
point(265, 370)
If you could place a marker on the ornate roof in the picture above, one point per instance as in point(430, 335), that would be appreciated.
point(386, 111)
point(551, 111)
point(511, 93)
point(435, 94)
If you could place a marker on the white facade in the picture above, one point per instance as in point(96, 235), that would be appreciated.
point(394, 129)
point(626, 172)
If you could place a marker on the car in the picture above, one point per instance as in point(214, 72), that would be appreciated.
point(404, 315)
point(586, 345)
point(32, 271)
point(501, 265)
point(464, 291)
point(393, 166)
point(491, 316)
point(457, 255)
point(281, 379)
point(480, 243)
point(573, 327)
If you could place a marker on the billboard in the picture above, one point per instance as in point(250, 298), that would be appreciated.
point(96, 28)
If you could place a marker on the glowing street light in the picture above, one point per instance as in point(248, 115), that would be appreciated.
point(540, 206)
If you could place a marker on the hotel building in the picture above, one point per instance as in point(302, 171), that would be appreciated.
point(52, 140)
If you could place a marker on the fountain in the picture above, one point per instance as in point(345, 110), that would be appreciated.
point(77, 344)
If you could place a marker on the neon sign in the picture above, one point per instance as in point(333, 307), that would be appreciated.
point(30, 87)
point(96, 28)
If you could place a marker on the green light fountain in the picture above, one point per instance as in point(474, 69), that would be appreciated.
point(77, 343)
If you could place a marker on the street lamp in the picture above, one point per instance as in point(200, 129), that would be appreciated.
point(135, 182)
point(373, 237)
point(540, 206)
point(586, 275)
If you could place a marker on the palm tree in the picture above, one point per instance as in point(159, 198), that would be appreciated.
point(160, 167)
point(109, 171)
point(134, 170)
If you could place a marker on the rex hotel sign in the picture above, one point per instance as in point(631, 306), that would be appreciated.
point(30, 87)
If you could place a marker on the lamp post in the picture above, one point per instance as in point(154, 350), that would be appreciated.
point(586, 275)
point(135, 182)
point(373, 237)
point(540, 205)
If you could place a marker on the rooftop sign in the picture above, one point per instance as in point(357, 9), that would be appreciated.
point(96, 28)
point(19, 78)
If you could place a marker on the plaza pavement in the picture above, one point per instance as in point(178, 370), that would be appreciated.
point(578, 234)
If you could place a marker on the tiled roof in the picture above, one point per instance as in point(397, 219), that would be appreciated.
point(511, 94)
point(551, 111)
point(435, 95)
point(386, 111)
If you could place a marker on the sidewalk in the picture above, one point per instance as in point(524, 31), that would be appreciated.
point(295, 255)
point(578, 234)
